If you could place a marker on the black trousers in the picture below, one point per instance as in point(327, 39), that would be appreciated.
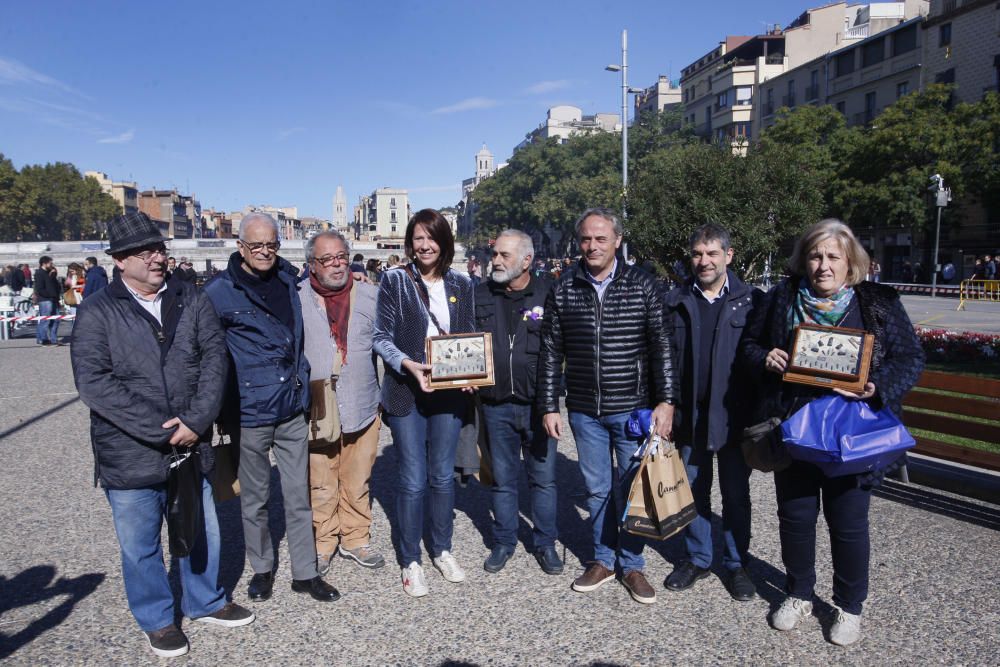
point(800, 488)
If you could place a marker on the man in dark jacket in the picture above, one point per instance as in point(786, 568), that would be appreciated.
point(47, 294)
point(96, 277)
point(261, 314)
point(606, 320)
point(705, 317)
point(150, 363)
point(510, 306)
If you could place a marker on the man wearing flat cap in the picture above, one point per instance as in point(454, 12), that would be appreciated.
point(149, 360)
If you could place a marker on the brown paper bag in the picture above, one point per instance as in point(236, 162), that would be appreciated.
point(660, 502)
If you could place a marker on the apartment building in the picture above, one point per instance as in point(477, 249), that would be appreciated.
point(565, 121)
point(126, 193)
point(179, 216)
point(661, 96)
point(962, 46)
point(859, 80)
point(383, 214)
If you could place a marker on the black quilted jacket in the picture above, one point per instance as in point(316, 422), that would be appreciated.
point(617, 352)
point(134, 375)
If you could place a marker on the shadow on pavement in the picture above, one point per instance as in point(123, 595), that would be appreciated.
point(42, 415)
point(32, 587)
point(980, 515)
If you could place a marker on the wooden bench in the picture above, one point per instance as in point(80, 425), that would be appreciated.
point(980, 398)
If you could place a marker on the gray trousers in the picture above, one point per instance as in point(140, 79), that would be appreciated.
point(289, 442)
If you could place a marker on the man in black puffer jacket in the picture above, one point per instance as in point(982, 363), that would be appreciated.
point(150, 362)
point(605, 319)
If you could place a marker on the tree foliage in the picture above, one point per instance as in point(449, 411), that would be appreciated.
point(50, 202)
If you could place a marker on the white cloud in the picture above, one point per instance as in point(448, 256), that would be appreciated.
point(543, 87)
point(122, 138)
point(468, 104)
point(287, 132)
point(14, 72)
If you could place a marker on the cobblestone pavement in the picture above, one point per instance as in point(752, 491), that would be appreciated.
point(933, 596)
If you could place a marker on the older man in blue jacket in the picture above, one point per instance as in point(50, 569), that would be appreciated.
point(257, 301)
point(705, 317)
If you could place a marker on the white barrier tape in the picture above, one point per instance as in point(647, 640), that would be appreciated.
point(27, 318)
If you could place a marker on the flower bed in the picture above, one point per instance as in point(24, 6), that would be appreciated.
point(959, 346)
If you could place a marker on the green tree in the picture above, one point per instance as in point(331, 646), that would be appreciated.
point(69, 206)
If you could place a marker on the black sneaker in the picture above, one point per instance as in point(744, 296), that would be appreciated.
point(230, 616)
point(549, 560)
point(168, 642)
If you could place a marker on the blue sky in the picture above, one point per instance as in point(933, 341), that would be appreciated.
point(245, 103)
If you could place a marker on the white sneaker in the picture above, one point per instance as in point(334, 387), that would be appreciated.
point(449, 568)
point(791, 611)
point(414, 582)
point(846, 629)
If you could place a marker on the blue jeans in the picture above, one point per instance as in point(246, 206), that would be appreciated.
point(597, 440)
point(138, 516)
point(426, 440)
point(510, 429)
point(48, 330)
point(734, 485)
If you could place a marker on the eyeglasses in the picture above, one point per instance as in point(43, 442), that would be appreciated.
point(148, 255)
point(256, 246)
point(329, 260)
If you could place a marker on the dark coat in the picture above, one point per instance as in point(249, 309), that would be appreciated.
point(134, 375)
point(729, 394)
point(401, 330)
point(270, 371)
point(897, 357)
point(47, 285)
point(515, 344)
point(16, 281)
point(97, 279)
point(617, 352)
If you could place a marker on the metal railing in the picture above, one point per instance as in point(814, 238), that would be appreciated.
point(978, 290)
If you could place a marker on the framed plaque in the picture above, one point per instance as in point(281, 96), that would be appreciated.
point(461, 360)
point(833, 357)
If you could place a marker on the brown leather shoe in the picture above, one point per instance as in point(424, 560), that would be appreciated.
point(638, 587)
point(595, 576)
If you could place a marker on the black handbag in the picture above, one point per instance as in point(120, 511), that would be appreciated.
point(763, 448)
point(185, 514)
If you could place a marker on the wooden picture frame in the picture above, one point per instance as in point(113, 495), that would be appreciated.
point(460, 360)
point(832, 357)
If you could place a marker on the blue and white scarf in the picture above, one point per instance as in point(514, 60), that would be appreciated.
point(807, 308)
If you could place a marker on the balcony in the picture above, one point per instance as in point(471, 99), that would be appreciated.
point(812, 93)
point(857, 32)
point(788, 101)
point(768, 109)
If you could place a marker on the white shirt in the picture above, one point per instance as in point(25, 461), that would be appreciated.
point(439, 306)
point(151, 306)
point(696, 288)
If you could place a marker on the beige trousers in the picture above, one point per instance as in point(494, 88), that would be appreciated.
point(339, 475)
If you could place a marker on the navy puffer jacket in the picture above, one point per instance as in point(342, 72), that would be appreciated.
point(134, 375)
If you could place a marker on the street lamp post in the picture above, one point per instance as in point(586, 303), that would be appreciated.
point(943, 196)
point(623, 68)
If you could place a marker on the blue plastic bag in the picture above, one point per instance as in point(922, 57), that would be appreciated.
point(638, 423)
point(845, 437)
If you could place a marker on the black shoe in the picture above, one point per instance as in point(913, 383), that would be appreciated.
point(168, 642)
point(685, 576)
point(317, 588)
point(741, 585)
point(498, 558)
point(549, 560)
point(261, 584)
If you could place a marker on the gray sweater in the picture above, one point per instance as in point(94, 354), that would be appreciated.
point(357, 386)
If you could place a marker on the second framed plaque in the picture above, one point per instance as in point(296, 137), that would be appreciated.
point(830, 357)
point(461, 360)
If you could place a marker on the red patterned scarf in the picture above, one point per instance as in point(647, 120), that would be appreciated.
point(338, 310)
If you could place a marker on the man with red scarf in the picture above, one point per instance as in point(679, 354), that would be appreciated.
point(338, 315)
